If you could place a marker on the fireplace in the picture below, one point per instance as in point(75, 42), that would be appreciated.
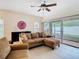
point(15, 35)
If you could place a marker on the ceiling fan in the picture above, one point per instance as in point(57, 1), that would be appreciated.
point(45, 6)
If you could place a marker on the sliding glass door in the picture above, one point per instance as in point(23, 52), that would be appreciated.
point(67, 30)
point(71, 30)
point(57, 29)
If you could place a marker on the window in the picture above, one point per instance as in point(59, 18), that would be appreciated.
point(1, 28)
point(65, 29)
point(36, 27)
point(46, 27)
point(71, 30)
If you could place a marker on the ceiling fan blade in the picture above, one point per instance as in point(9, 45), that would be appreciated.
point(38, 10)
point(34, 6)
point(51, 5)
point(48, 9)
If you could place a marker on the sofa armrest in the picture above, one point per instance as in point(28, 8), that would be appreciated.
point(19, 46)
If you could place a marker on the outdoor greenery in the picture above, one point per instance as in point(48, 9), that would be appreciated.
point(71, 37)
point(71, 23)
point(70, 29)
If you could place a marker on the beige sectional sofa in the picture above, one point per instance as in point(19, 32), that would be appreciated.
point(8, 51)
point(20, 51)
point(39, 38)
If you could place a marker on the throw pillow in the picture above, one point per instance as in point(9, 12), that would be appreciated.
point(24, 40)
point(35, 35)
point(43, 35)
point(28, 35)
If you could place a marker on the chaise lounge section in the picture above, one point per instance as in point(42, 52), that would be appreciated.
point(52, 43)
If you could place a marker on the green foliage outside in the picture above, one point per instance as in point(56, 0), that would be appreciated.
point(71, 23)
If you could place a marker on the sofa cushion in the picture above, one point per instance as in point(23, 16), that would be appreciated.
point(19, 46)
point(4, 48)
point(25, 40)
point(35, 42)
point(35, 35)
point(42, 35)
point(28, 35)
point(24, 35)
point(18, 54)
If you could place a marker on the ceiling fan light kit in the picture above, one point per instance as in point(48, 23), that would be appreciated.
point(45, 6)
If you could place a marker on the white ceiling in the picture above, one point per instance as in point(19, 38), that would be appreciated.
point(63, 8)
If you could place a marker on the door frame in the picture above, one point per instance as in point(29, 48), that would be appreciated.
point(61, 29)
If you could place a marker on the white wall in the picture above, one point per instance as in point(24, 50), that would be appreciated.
point(11, 19)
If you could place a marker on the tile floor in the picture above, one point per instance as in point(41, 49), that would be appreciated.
point(76, 44)
point(62, 52)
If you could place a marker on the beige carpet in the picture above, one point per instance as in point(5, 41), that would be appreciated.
point(63, 52)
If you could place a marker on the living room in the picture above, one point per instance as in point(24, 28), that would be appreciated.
point(56, 20)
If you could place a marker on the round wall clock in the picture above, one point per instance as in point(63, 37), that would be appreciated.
point(21, 25)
